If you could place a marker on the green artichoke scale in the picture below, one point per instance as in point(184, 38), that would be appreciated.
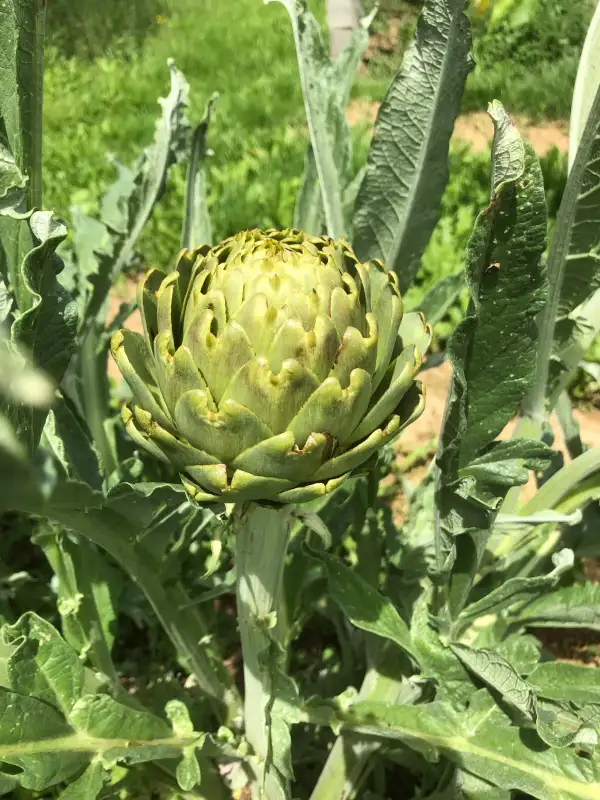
point(271, 366)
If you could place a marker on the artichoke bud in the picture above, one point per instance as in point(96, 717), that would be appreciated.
point(271, 366)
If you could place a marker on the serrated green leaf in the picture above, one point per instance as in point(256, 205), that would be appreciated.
point(496, 672)
point(6, 302)
point(508, 462)
point(130, 202)
point(336, 81)
point(197, 228)
point(435, 657)
point(521, 650)
point(364, 606)
point(188, 771)
point(102, 717)
point(325, 118)
point(473, 788)
point(13, 184)
point(70, 443)
point(556, 723)
point(43, 665)
point(179, 717)
point(47, 324)
point(575, 606)
point(56, 727)
point(507, 284)
point(481, 741)
point(22, 65)
point(517, 589)
point(35, 738)
point(398, 203)
point(88, 785)
point(88, 590)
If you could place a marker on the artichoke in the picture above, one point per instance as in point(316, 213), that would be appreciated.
point(271, 366)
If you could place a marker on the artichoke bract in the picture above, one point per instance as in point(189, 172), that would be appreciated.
point(271, 366)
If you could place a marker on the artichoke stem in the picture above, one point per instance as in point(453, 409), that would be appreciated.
point(262, 535)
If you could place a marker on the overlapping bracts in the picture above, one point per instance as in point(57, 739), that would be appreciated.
point(271, 366)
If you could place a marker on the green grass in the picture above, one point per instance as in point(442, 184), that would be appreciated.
point(241, 48)
point(244, 50)
point(89, 29)
point(530, 68)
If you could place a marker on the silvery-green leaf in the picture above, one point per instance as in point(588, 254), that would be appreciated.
point(569, 425)
point(481, 740)
point(65, 437)
point(47, 323)
point(576, 606)
point(496, 672)
point(586, 85)
point(364, 606)
point(398, 203)
point(197, 228)
point(22, 33)
point(515, 590)
point(507, 284)
point(566, 682)
point(324, 117)
point(129, 203)
point(336, 80)
point(570, 318)
point(88, 590)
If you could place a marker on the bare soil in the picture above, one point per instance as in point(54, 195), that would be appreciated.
point(475, 129)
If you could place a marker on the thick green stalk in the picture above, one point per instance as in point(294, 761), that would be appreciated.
point(563, 482)
point(535, 404)
point(94, 392)
point(348, 764)
point(183, 626)
point(261, 541)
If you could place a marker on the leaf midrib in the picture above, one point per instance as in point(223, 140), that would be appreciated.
point(460, 744)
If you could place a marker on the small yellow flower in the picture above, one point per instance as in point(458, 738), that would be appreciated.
point(160, 19)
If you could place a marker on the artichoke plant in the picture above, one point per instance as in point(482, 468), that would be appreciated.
point(271, 366)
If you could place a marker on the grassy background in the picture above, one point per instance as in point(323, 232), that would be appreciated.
point(95, 105)
point(530, 68)
point(106, 66)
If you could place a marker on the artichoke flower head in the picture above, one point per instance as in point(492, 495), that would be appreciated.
point(271, 366)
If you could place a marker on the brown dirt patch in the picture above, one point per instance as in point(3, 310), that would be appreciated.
point(571, 644)
point(476, 129)
point(426, 429)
